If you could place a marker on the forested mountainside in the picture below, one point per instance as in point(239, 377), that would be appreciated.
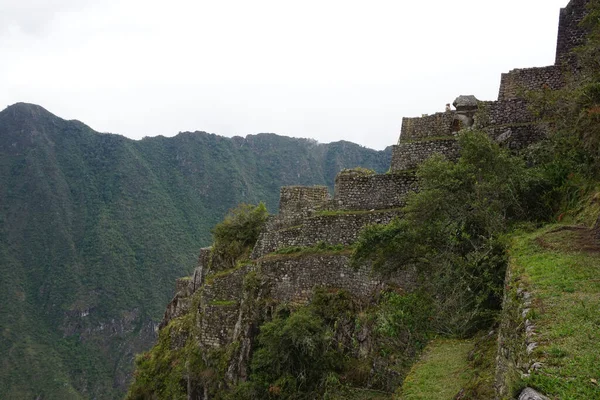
point(94, 228)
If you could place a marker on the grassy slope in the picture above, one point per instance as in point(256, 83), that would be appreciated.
point(562, 267)
point(102, 223)
point(441, 373)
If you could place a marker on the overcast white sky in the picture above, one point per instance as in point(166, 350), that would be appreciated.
point(322, 69)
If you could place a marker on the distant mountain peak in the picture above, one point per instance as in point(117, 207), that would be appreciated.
point(26, 111)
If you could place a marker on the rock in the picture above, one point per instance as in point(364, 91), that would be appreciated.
point(530, 394)
point(465, 103)
point(505, 136)
point(531, 347)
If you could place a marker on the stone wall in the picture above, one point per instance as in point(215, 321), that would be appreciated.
point(220, 307)
point(294, 279)
point(355, 191)
point(406, 156)
point(435, 125)
point(570, 34)
point(295, 201)
point(509, 122)
point(514, 83)
point(506, 112)
point(331, 229)
point(516, 338)
point(517, 137)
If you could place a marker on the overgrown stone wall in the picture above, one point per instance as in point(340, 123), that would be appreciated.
point(506, 112)
point(509, 122)
point(435, 125)
point(294, 279)
point(406, 156)
point(570, 33)
point(220, 306)
point(355, 191)
point(328, 228)
point(516, 82)
point(516, 337)
point(296, 201)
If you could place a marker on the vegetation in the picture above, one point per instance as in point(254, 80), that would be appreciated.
point(441, 373)
point(452, 231)
point(319, 248)
point(234, 237)
point(310, 351)
point(561, 265)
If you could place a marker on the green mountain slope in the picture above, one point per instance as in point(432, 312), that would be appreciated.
point(94, 228)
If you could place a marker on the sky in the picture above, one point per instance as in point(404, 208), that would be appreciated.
point(323, 69)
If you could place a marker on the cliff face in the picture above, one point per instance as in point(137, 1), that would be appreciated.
point(305, 248)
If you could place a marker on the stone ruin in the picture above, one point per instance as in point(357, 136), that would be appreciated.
point(309, 216)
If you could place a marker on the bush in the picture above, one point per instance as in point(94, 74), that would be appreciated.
point(452, 230)
point(234, 238)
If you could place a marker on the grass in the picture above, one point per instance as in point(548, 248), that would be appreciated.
point(562, 266)
point(441, 373)
point(332, 213)
point(223, 303)
point(299, 251)
point(209, 280)
point(429, 139)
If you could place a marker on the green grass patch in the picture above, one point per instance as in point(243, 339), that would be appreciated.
point(429, 139)
point(318, 249)
point(209, 279)
point(334, 213)
point(562, 266)
point(441, 373)
point(223, 303)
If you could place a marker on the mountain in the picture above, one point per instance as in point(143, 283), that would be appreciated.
point(94, 228)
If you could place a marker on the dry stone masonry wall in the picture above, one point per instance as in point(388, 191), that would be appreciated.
point(220, 306)
point(570, 33)
point(516, 82)
point(438, 124)
point(407, 156)
point(355, 191)
point(329, 229)
point(296, 201)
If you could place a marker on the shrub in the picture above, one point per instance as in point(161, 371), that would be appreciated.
point(234, 237)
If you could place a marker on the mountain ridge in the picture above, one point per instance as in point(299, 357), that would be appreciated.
point(94, 227)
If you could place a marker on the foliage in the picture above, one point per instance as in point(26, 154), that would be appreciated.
point(311, 351)
point(296, 354)
point(452, 230)
point(159, 372)
point(319, 248)
point(234, 237)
